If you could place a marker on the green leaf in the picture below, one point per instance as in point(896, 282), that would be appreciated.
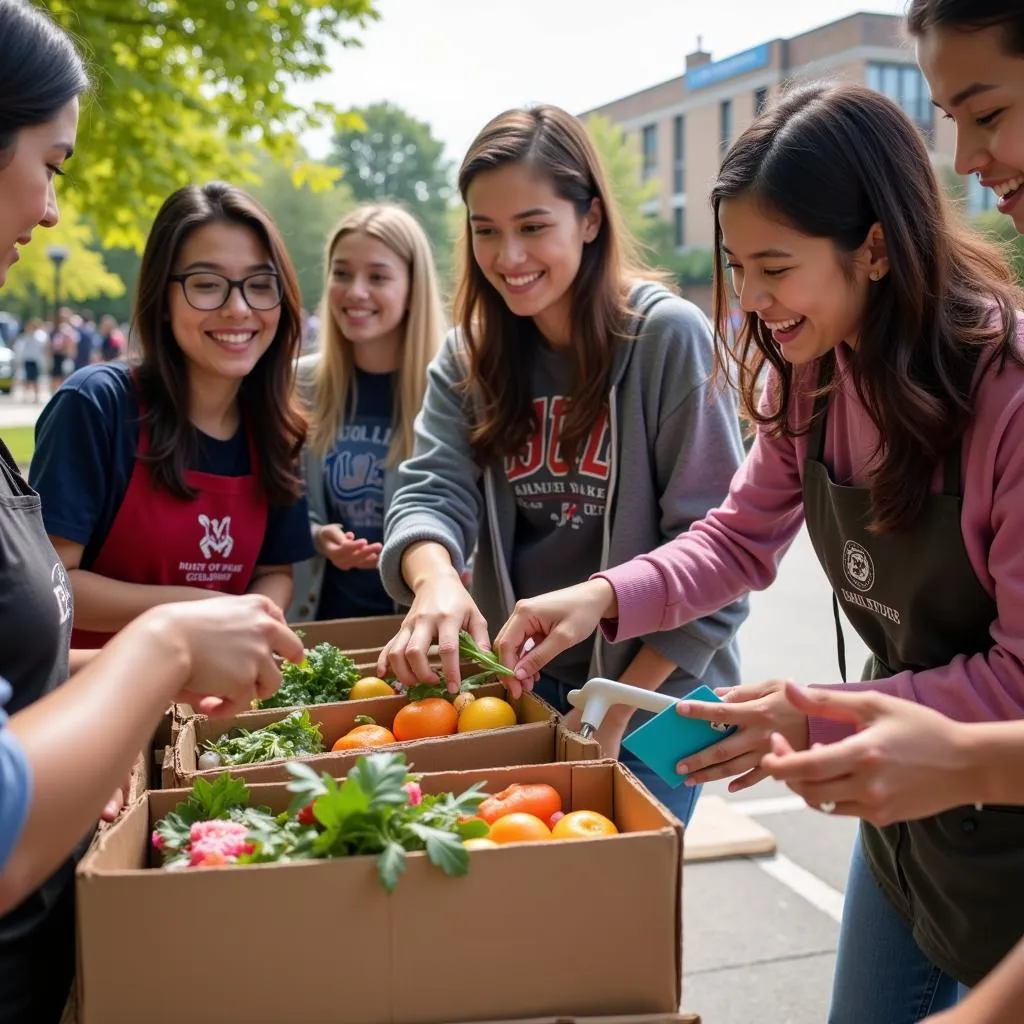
point(212, 800)
point(333, 808)
point(391, 864)
point(444, 849)
point(381, 776)
point(475, 828)
point(306, 785)
point(292, 736)
point(471, 650)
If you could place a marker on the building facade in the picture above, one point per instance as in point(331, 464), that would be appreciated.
point(684, 126)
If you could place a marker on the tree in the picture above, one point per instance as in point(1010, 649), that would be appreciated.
point(183, 89)
point(83, 274)
point(623, 166)
point(393, 156)
point(305, 218)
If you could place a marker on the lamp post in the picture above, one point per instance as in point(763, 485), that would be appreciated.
point(57, 255)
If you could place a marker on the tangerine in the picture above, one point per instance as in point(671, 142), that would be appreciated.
point(432, 716)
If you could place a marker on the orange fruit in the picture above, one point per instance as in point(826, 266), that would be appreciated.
point(583, 825)
point(432, 716)
point(487, 713)
point(479, 844)
point(364, 736)
point(518, 827)
point(370, 686)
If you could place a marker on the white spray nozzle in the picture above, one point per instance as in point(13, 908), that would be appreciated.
point(598, 695)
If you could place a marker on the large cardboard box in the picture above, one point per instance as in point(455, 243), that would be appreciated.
point(536, 739)
point(373, 632)
point(584, 928)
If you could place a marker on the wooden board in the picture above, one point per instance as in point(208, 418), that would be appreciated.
point(717, 831)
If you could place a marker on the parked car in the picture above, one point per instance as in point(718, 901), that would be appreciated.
point(6, 370)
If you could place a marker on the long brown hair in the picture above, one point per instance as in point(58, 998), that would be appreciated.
point(556, 145)
point(832, 161)
point(266, 394)
point(334, 388)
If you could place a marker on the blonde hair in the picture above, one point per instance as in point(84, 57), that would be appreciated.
point(334, 382)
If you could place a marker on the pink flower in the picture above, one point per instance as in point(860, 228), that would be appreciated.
point(225, 840)
point(415, 793)
point(158, 840)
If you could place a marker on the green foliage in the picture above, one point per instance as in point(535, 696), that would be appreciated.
point(184, 87)
point(325, 675)
point(305, 210)
point(391, 155)
point(293, 736)
point(999, 228)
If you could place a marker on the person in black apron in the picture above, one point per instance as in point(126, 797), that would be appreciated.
point(862, 300)
point(62, 772)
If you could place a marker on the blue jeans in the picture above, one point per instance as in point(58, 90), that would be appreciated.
point(681, 801)
point(882, 977)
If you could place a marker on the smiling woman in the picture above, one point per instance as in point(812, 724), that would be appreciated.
point(195, 443)
point(972, 54)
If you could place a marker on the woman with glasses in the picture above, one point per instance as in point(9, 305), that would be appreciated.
point(174, 476)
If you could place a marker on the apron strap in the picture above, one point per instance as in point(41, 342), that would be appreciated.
point(840, 639)
point(952, 485)
point(816, 437)
point(816, 451)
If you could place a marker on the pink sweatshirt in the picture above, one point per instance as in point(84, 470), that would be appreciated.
point(737, 547)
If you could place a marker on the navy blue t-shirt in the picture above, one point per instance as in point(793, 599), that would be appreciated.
point(354, 494)
point(86, 441)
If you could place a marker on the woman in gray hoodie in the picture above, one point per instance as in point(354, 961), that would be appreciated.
point(570, 422)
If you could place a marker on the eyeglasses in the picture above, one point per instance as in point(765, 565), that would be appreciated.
point(207, 291)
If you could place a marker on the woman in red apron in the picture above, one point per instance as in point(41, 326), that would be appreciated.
point(174, 476)
point(892, 425)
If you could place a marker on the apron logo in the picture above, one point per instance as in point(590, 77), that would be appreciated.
point(857, 565)
point(568, 516)
point(61, 591)
point(216, 536)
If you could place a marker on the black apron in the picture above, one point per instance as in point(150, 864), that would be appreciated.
point(37, 938)
point(956, 878)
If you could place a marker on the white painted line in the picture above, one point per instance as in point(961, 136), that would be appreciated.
point(769, 805)
point(809, 887)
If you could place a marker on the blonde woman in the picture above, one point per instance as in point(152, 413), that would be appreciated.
point(382, 323)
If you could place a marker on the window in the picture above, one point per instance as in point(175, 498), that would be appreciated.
point(649, 148)
point(679, 227)
point(678, 155)
point(905, 84)
point(760, 100)
point(724, 126)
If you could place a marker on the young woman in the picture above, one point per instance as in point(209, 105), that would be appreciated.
point(69, 744)
point(176, 477)
point(568, 423)
point(382, 324)
point(893, 425)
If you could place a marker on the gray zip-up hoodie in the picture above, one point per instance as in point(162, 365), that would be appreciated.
point(675, 444)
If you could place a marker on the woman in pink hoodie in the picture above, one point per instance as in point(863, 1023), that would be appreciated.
point(892, 424)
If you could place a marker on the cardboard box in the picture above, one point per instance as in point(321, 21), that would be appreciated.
point(535, 740)
point(583, 928)
point(350, 634)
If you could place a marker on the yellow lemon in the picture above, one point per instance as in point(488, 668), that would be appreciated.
point(487, 713)
point(371, 686)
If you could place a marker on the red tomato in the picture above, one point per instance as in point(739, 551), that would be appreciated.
point(536, 798)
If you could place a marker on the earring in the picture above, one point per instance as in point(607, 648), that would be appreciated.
point(874, 275)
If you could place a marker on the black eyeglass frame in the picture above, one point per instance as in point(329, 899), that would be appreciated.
point(232, 284)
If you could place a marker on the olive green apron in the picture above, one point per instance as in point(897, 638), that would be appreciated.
point(957, 878)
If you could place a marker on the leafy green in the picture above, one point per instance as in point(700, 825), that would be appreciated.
point(323, 676)
point(292, 736)
point(377, 810)
point(469, 650)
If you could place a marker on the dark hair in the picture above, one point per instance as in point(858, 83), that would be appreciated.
point(970, 16)
point(556, 144)
point(266, 395)
point(832, 161)
point(40, 71)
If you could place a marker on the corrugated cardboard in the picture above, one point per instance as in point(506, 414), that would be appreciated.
point(535, 740)
point(580, 928)
point(350, 634)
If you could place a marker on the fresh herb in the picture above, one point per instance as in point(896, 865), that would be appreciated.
point(292, 736)
point(378, 810)
point(469, 650)
point(325, 675)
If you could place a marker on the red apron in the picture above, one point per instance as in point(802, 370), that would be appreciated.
point(210, 541)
